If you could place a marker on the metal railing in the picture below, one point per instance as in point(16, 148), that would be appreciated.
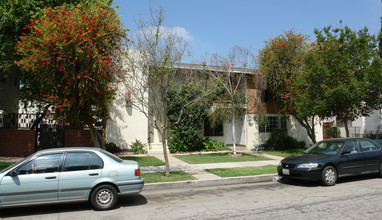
point(27, 120)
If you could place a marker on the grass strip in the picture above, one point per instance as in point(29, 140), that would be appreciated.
point(218, 158)
point(145, 161)
point(285, 153)
point(161, 177)
point(244, 171)
point(4, 165)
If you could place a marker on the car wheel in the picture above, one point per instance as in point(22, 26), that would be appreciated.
point(329, 176)
point(104, 197)
point(380, 170)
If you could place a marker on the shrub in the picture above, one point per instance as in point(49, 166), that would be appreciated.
point(176, 145)
point(185, 132)
point(210, 144)
point(282, 141)
point(138, 147)
point(112, 148)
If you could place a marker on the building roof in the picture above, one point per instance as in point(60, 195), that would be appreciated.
point(214, 68)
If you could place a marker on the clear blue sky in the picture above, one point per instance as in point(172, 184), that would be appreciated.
point(215, 26)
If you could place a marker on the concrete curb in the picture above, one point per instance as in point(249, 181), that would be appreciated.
point(206, 183)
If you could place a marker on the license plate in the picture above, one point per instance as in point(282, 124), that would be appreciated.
point(285, 171)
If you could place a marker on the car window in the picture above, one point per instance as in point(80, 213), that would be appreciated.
point(352, 147)
point(112, 156)
point(43, 164)
point(75, 161)
point(368, 145)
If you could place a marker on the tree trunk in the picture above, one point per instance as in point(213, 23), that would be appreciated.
point(97, 138)
point(233, 136)
point(165, 153)
point(345, 121)
point(309, 126)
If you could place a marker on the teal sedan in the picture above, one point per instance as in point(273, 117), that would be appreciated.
point(69, 174)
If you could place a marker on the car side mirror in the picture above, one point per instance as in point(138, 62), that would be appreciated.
point(13, 173)
point(345, 152)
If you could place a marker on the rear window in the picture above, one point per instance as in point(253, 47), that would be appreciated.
point(368, 145)
point(112, 156)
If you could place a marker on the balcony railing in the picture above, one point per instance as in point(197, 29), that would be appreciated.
point(26, 121)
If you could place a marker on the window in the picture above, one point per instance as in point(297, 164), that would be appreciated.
point(352, 147)
point(82, 161)
point(272, 122)
point(112, 156)
point(367, 145)
point(211, 131)
point(44, 164)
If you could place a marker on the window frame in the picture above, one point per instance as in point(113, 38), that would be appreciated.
point(34, 160)
point(273, 122)
point(209, 131)
point(374, 148)
point(64, 168)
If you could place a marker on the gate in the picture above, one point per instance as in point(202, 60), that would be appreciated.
point(49, 136)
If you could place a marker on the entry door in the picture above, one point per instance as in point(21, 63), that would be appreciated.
point(240, 132)
point(36, 181)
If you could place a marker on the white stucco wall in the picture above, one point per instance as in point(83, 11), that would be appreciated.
point(364, 125)
point(126, 124)
point(295, 130)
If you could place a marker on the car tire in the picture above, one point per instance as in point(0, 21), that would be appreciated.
point(104, 197)
point(380, 170)
point(329, 176)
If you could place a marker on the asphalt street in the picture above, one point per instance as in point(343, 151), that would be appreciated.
point(351, 198)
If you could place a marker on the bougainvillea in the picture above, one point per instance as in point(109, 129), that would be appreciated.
point(69, 58)
point(281, 61)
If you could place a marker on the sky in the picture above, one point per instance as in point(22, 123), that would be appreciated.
point(215, 26)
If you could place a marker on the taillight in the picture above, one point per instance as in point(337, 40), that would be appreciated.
point(137, 172)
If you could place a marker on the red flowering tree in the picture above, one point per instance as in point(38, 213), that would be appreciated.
point(281, 61)
point(70, 58)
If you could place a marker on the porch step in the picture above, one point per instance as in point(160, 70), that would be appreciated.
point(156, 147)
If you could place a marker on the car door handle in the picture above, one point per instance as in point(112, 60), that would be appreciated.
point(50, 177)
point(93, 174)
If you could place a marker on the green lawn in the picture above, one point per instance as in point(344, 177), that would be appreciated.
point(161, 177)
point(146, 161)
point(5, 164)
point(244, 171)
point(284, 153)
point(218, 158)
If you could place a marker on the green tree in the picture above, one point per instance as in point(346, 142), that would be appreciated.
point(345, 68)
point(185, 134)
point(281, 62)
point(70, 57)
point(15, 14)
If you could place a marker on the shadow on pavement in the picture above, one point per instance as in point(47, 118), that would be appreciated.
point(340, 181)
point(123, 201)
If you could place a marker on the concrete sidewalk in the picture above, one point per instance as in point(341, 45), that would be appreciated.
point(204, 178)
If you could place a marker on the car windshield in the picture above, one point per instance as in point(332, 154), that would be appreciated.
point(325, 147)
point(13, 165)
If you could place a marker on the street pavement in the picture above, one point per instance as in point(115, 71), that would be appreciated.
point(203, 178)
